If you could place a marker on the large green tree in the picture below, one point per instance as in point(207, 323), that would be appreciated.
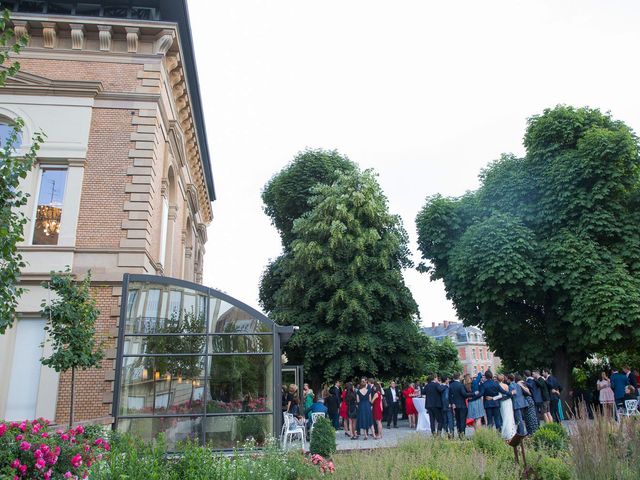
point(340, 277)
point(545, 255)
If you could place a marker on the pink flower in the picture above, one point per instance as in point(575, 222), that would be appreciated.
point(3, 428)
point(40, 464)
point(19, 437)
point(64, 437)
point(24, 446)
point(15, 463)
point(59, 431)
point(76, 461)
point(23, 426)
point(38, 454)
point(98, 442)
point(68, 475)
point(44, 435)
point(22, 469)
point(79, 430)
point(47, 475)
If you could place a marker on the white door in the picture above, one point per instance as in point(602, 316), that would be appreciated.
point(25, 370)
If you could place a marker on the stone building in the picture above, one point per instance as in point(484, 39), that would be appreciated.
point(473, 351)
point(123, 182)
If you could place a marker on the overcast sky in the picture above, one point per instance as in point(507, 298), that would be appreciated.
point(424, 92)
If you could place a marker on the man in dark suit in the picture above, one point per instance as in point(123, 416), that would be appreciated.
point(631, 378)
point(392, 395)
point(457, 398)
point(433, 403)
point(491, 392)
point(554, 393)
point(536, 394)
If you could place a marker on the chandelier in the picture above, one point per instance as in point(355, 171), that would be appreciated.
point(48, 218)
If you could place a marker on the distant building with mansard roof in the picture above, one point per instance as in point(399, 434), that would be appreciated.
point(473, 351)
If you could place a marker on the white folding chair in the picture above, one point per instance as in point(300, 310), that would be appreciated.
point(290, 430)
point(314, 417)
point(631, 407)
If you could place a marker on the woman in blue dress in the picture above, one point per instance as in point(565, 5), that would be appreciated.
point(476, 406)
point(365, 417)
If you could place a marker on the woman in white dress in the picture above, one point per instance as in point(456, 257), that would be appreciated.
point(509, 427)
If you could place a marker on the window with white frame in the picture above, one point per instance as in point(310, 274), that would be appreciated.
point(48, 213)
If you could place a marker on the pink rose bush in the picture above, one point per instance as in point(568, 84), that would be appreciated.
point(29, 450)
point(325, 466)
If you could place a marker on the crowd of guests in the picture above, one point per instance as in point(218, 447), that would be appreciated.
point(512, 403)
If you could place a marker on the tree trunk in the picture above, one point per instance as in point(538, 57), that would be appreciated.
point(562, 372)
point(73, 384)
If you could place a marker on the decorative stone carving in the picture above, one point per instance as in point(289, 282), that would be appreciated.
point(77, 36)
point(164, 41)
point(20, 29)
point(104, 35)
point(172, 62)
point(132, 39)
point(49, 34)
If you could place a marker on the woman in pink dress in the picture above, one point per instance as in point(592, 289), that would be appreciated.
point(607, 398)
point(377, 409)
point(343, 413)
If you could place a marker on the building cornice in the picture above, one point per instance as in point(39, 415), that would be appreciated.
point(112, 40)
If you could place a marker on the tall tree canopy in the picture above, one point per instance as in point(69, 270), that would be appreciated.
point(339, 278)
point(545, 255)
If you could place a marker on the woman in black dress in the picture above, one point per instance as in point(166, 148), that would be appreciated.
point(352, 410)
point(365, 418)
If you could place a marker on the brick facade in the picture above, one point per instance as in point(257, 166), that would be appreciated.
point(142, 151)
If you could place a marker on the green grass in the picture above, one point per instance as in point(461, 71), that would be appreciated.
point(455, 459)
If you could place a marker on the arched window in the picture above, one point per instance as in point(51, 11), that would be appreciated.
point(166, 226)
point(6, 130)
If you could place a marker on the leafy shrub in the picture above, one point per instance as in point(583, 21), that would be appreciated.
point(548, 468)
point(29, 450)
point(323, 438)
point(551, 439)
point(425, 473)
point(252, 426)
point(556, 427)
point(131, 458)
point(489, 441)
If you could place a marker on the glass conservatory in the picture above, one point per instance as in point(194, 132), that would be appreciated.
point(195, 364)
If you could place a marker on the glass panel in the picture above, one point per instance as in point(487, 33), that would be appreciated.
point(5, 131)
point(88, 9)
point(60, 8)
point(241, 343)
point(165, 309)
point(224, 432)
point(239, 383)
point(116, 12)
point(225, 318)
point(31, 6)
point(176, 429)
point(49, 210)
point(160, 385)
point(143, 13)
point(173, 344)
